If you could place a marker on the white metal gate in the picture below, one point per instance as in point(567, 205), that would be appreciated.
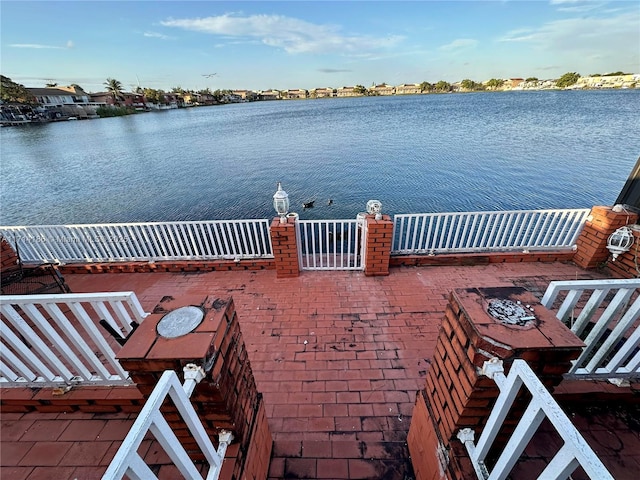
point(331, 244)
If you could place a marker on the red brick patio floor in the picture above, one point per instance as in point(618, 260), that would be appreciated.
point(337, 355)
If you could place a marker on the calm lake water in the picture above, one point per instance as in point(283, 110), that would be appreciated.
point(416, 154)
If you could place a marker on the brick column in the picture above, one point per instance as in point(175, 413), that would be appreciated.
point(456, 396)
point(285, 248)
point(8, 256)
point(379, 235)
point(227, 398)
point(592, 242)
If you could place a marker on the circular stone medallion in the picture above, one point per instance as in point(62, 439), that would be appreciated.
point(180, 321)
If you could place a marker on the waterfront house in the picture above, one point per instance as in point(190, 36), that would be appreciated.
point(247, 95)
point(382, 89)
point(269, 95)
point(347, 92)
point(514, 82)
point(63, 102)
point(297, 93)
point(133, 100)
point(324, 92)
point(408, 89)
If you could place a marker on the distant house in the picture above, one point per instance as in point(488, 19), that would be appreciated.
point(514, 82)
point(63, 102)
point(247, 95)
point(408, 89)
point(325, 92)
point(297, 93)
point(382, 89)
point(126, 99)
point(269, 95)
point(59, 96)
point(347, 92)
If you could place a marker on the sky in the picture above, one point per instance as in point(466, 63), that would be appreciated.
point(296, 44)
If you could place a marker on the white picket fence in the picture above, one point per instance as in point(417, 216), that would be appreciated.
point(466, 232)
point(53, 340)
point(129, 462)
point(574, 453)
point(206, 240)
point(608, 323)
point(330, 244)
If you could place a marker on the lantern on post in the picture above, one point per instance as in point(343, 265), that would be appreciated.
point(620, 241)
point(281, 203)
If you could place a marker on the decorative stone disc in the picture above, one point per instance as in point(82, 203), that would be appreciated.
point(509, 312)
point(180, 321)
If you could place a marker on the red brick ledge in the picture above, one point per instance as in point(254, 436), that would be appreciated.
point(168, 266)
point(469, 259)
point(89, 399)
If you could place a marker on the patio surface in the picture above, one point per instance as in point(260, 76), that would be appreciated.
point(338, 357)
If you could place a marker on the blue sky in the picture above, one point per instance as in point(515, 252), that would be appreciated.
point(295, 44)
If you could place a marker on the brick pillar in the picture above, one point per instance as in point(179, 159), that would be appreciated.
point(227, 398)
point(592, 242)
point(379, 235)
point(8, 256)
point(285, 248)
point(456, 396)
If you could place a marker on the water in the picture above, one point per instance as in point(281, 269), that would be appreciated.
point(416, 154)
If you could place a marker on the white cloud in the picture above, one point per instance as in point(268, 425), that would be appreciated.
point(459, 44)
point(156, 35)
point(581, 33)
point(33, 45)
point(290, 34)
point(68, 45)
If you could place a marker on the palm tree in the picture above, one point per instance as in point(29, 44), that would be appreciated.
point(114, 87)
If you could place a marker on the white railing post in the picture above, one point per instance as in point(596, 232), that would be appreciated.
point(128, 461)
point(575, 451)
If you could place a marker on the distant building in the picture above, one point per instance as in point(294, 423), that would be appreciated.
point(63, 102)
point(408, 89)
point(347, 92)
point(325, 92)
point(269, 95)
point(382, 89)
point(297, 93)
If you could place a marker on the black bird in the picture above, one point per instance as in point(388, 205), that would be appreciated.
point(330, 202)
point(308, 204)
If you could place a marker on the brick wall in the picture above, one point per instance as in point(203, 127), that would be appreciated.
point(592, 243)
point(87, 399)
point(456, 396)
point(167, 266)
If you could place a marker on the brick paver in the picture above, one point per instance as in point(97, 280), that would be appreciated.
point(338, 357)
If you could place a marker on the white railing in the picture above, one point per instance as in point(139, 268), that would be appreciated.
point(206, 240)
point(607, 322)
point(574, 453)
point(52, 340)
point(128, 461)
point(330, 244)
point(467, 232)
